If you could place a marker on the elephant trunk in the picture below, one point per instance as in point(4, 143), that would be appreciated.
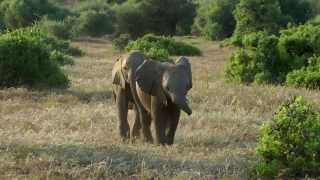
point(183, 105)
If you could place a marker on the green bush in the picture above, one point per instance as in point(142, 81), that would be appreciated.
point(21, 13)
point(96, 19)
point(315, 20)
point(60, 58)
point(297, 44)
point(257, 15)
point(290, 59)
point(25, 60)
point(160, 47)
point(161, 17)
point(60, 29)
point(256, 61)
point(130, 19)
point(215, 19)
point(298, 11)
point(168, 17)
point(51, 42)
point(308, 77)
point(289, 145)
point(121, 42)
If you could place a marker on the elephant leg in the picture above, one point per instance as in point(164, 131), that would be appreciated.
point(159, 117)
point(135, 132)
point(173, 124)
point(145, 124)
point(122, 104)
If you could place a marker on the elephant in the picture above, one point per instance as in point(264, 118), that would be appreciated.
point(122, 73)
point(162, 89)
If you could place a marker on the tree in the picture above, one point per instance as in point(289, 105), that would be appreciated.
point(298, 10)
point(215, 19)
point(258, 15)
point(167, 16)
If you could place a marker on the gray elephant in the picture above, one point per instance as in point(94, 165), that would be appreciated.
point(123, 74)
point(162, 90)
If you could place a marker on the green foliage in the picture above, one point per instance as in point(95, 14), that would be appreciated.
point(25, 60)
point(60, 29)
point(315, 20)
point(269, 16)
point(308, 76)
point(61, 58)
point(297, 44)
point(95, 18)
point(256, 62)
point(95, 23)
point(257, 15)
point(291, 59)
point(289, 144)
point(163, 17)
point(168, 17)
point(160, 47)
point(121, 42)
point(315, 5)
point(21, 13)
point(298, 11)
point(130, 19)
point(215, 19)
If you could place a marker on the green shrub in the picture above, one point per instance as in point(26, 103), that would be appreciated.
point(60, 58)
point(51, 42)
point(308, 77)
point(168, 17)
point(121, 42)
point(25, 61)
point(290, 59)
point(289, 144)
point(96, 19)
point(215, 19)
point(130, 19)
point(59, 29)
point(315, 20)
point(160, 47)
point(22, 13)
point(95, 24)
point(161, 17)
point(297, 44)
point(257, 15)
point(256, 61)
point(298, 11)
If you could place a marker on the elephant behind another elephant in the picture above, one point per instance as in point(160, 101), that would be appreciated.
point(123, 72)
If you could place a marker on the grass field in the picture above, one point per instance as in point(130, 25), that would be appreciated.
point(73, 134)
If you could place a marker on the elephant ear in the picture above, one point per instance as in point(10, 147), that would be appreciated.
point(184, 63)
point(148, 79)
point(117, 76)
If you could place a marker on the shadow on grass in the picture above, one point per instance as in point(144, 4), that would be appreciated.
point(87, 97)
point(117, 161)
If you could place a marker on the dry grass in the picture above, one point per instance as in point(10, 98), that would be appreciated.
point(73, 134)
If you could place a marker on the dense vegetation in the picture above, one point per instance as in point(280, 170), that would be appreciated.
point(28, 58)
point(289, 145)
point(160, 48)
point(215, 19)
point(291, 59)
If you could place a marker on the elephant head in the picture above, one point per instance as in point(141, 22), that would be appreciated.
point(125, 68)
point(167, 81)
